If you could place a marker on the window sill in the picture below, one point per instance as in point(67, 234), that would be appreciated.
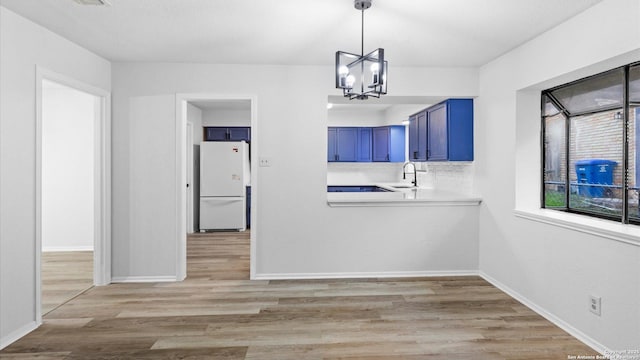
point(629, 234)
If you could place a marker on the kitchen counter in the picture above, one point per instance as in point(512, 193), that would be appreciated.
point(401, 195)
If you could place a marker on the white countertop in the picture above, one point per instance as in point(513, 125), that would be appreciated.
point(405, 196)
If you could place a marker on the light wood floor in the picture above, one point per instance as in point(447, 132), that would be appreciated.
point(65, 274)
point(217, 313)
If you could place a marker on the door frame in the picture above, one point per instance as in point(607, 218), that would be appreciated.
point(102, 181)
point(189, 173)
point(181, 175)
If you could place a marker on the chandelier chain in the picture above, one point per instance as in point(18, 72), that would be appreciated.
point(362, 34)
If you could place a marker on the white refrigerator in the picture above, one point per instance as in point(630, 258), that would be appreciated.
point(224, 176)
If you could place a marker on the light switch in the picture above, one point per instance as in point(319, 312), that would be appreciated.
point(265, 162)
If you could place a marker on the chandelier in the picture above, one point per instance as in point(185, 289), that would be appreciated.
point(361, 76)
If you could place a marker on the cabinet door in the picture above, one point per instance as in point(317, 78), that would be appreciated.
point(422, 136)
point(418, 137)
point(437, 133)
point(216, 134)
point(413, 138)
point(347, 144)
point(364, 145)
point(331, 144)
point(460, 129)
point(239, 134)
point(381, 144)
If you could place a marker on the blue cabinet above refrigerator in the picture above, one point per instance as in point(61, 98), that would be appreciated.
point(227, 133)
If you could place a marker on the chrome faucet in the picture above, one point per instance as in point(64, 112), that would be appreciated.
point(415, 172)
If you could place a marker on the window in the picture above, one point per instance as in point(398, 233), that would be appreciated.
point(590, 143)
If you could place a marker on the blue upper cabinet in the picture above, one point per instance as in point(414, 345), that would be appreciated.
point(343, 144)
point(389, 144)
point(215, 134)
point(347, 144)
point(226, 133)
point(331, 144)
point(437, 133)
point(365, 147)
point(418, 136)
point(365, 144)
point(450, 131)
point(239, 133)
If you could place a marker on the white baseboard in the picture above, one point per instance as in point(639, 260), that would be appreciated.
point(142, 279)
point(587, 340)
point(364, 275)
point(17, 334)
point(66, 248)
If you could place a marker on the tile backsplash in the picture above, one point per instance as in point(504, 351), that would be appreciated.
point(447, 176)
point(453, 176)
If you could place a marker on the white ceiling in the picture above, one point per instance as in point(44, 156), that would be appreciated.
point(412, 32)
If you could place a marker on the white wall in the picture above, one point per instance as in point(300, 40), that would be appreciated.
point(194, 116)
point(23, 45)
point(362, 116)
point(226, 117)
point(291, 194)
point(68, 117)
point(551, 267)
point(398, 113)
point(357, 117)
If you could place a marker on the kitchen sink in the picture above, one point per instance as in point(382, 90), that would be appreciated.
point(356, 188)
point(407, 186)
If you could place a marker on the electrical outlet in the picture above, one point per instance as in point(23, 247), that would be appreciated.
point(265, 162)
point(595, 303)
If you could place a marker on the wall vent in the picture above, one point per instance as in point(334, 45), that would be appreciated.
point(94, 2)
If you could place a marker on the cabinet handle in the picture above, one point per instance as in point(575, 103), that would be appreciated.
point(387, 157)
point(337, 157)
point(415, 154)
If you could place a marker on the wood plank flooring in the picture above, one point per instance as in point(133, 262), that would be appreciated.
point(217, 313)
point(65, 274)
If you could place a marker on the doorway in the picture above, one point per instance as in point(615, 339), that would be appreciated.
point(68, 118)
point(73, 189)
point(194, 112)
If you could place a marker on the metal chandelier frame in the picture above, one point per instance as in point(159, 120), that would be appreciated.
point(361, 76)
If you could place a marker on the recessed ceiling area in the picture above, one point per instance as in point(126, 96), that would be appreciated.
point(451, 33)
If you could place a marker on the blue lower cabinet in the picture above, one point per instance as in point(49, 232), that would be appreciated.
point(248, 199)
point(389, 143)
